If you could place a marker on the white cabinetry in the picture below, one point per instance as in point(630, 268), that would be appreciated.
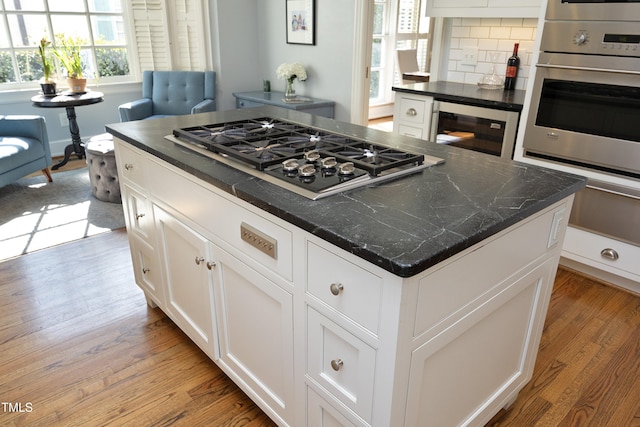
point(484, 8)
point(187, 260)
point(139, 222)
point(317, 336)
point(412, 115)
point(603, 257)
point(255, 318)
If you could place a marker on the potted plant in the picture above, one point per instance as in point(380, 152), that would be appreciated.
point(47, 84)
point(68, 52)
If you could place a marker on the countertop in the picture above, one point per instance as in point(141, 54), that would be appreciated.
point(403, 226)
point(468, 94)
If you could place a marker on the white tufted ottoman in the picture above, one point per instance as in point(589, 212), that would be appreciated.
point(103, 172)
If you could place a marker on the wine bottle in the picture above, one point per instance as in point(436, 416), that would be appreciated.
point(512, 69)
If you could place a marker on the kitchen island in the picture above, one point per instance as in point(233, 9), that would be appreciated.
point(418, 301)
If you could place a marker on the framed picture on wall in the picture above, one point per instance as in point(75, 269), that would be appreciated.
point(301, 25)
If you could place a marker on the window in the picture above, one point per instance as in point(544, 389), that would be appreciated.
point(397, 24)
point(120, 38)
point(97, 24)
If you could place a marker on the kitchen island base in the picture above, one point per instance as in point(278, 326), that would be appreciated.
point(318, 336)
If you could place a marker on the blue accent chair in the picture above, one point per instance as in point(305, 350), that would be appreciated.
point(172, 93)
point(24, 148)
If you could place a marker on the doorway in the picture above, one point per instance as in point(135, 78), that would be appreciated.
point(387, 25)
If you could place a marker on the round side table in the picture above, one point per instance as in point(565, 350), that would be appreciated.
point(69, 101)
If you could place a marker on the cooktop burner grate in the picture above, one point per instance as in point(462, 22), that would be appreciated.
point(265, 142)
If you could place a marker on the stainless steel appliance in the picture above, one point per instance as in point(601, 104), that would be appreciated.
point(308, 161)
point(487, 130)
point(585, 109)
point(593, 10)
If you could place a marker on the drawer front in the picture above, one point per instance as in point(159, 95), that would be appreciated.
point(411, 131)
point(223, 218)
point(146, 268)
point(346, 287)
point(130, 163)
point(604, 253)
point(341, 363)
point(139, 216)
point(243, 103)
point(459, 284)
point(322, 414)
point(412, 111)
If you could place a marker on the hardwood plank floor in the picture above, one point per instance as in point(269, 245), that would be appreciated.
point(80, 347)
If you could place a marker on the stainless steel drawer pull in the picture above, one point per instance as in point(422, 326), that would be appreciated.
point(609, 253)
point(412, 112)
point(336, 288)
point(336, 364)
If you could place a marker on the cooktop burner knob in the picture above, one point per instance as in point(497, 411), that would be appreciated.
point(307, 170)
point(290, 165)
point(346, 168)
point(312, 156)
point(328, 162)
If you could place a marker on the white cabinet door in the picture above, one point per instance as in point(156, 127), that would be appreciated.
point(186, 257)
point(255, 328)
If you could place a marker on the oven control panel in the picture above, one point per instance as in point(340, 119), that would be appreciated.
point(593, 38)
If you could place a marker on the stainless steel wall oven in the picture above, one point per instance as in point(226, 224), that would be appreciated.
point(585, 108)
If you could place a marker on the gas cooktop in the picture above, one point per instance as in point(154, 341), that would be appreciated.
point(309, 161)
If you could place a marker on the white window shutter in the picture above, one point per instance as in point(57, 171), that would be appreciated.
point(171, 34)
point(189, 35)
point(151, 35)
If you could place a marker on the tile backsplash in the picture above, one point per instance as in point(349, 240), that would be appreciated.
point(484, 36)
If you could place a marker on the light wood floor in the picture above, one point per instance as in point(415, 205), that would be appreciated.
point(79, 347)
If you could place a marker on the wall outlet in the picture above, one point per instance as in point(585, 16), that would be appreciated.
point(64, 122)
point(469, 57)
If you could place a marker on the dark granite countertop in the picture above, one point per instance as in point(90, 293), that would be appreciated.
point(468, 94)
point(404, 226)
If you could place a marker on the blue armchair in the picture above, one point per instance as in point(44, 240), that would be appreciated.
point(171, 93)
point(24, 148)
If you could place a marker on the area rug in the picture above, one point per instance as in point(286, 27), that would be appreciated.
point(36, 214)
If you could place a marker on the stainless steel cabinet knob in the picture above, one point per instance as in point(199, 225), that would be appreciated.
point(211, 265)
point(199, 259)
point(140, 215)
point(336, 288)
point(336, 364)
point(145, 270)
point(128, 166)
point(609, 253)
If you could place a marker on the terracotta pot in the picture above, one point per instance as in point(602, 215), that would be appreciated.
point(77, 85)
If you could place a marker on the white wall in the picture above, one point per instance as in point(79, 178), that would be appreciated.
point(252, 43)
point(487, 35)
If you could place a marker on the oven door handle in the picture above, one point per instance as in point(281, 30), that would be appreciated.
point(614, 189)
point(572, 67)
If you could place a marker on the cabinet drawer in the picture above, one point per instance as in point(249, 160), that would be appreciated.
point(341, 363)
point(139, 216)
point(243, 103)
point(410, 131)
point(130, 163)
point(346, 287)
point(221, 217)
point(593, 249)
point(146, 269)
point(460, 283)
point(412, 111)
point(321, 413)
